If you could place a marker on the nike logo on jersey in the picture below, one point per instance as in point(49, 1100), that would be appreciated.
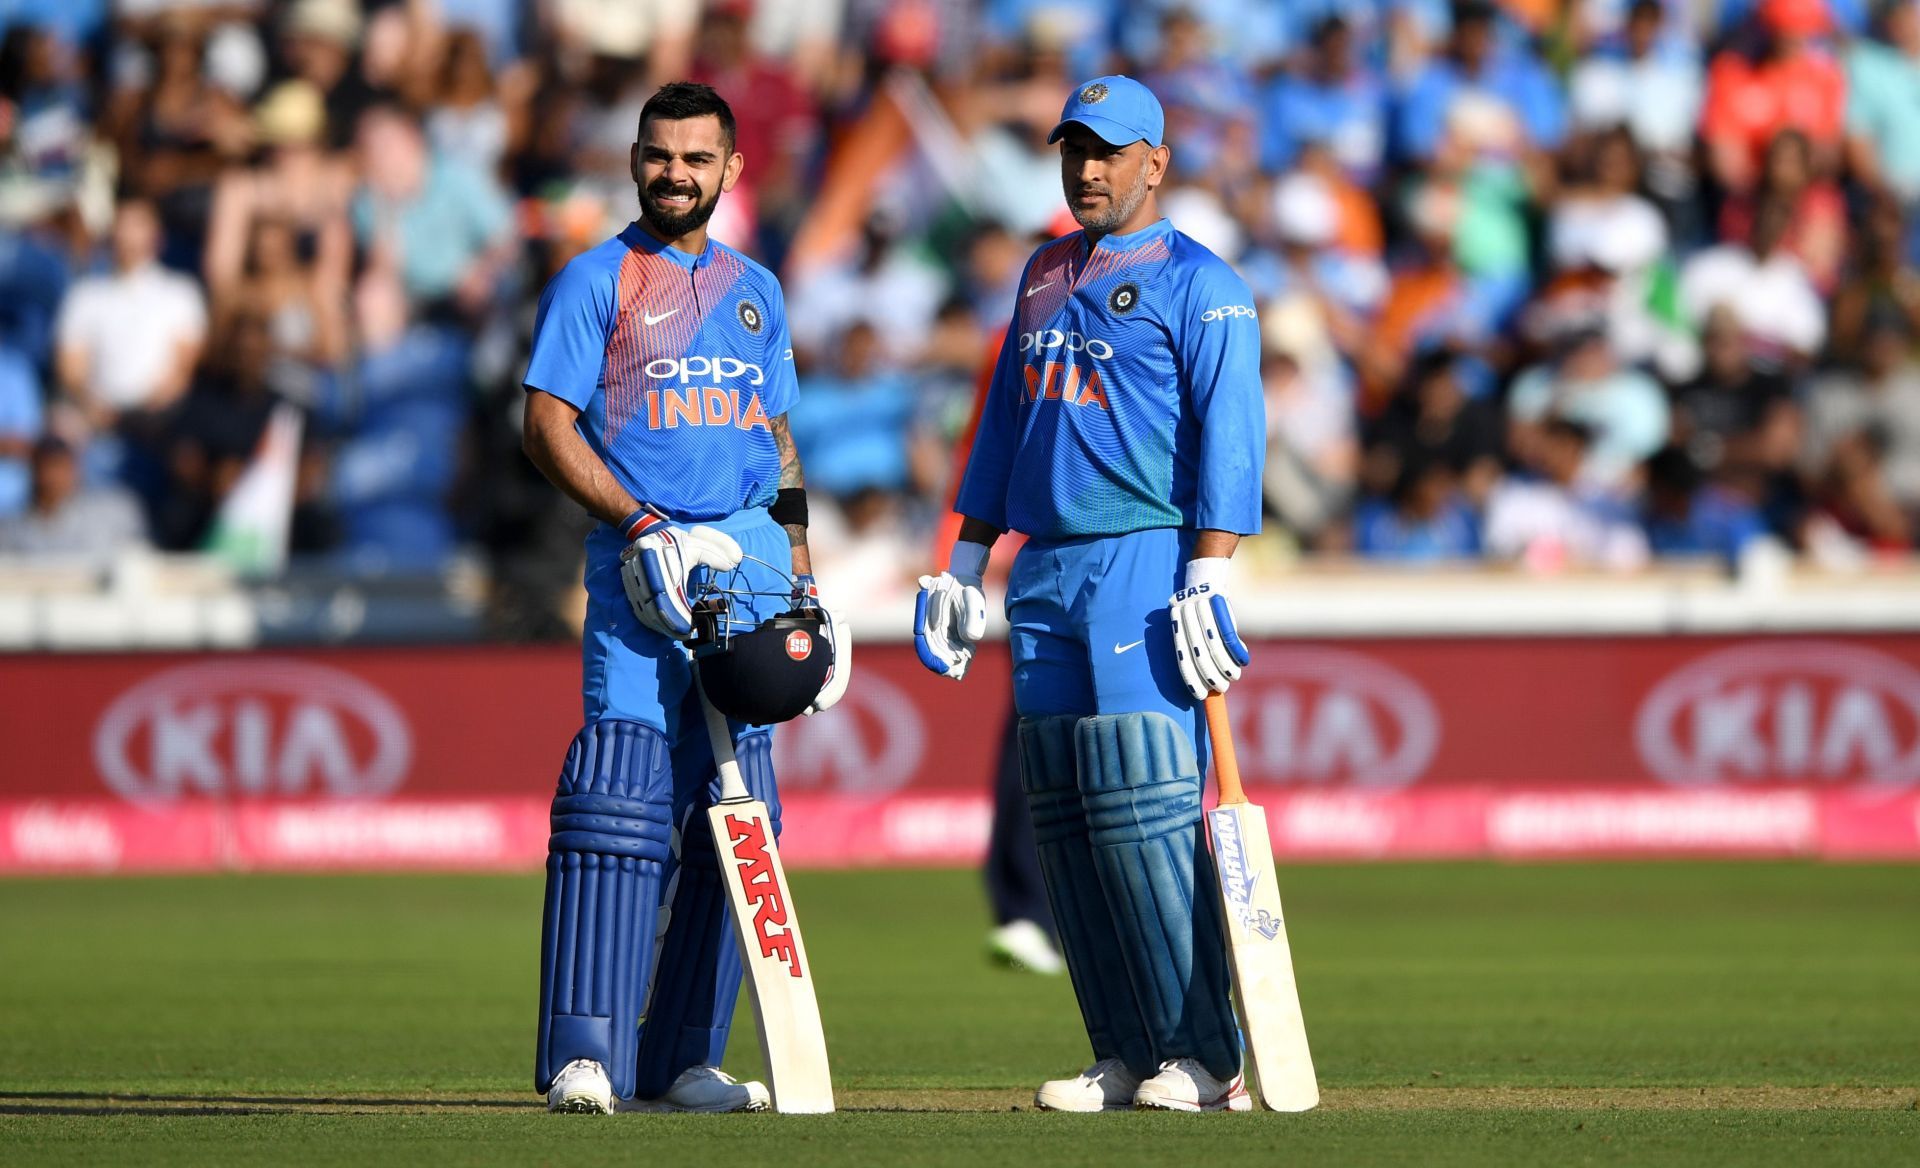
point(1119, 648)
point(1038, 287)
point(649, 319)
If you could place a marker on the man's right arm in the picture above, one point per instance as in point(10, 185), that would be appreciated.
point(552, 440)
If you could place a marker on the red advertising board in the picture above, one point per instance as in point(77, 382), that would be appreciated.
point(444, 757)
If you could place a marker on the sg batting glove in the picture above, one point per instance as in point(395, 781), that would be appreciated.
point(655, 567)
point(950, 613)
point(840, 633)
point(1206, 644)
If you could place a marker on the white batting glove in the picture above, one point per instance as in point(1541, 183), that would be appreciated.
point(1205, 642)
point(655, 567)
point(950, 613)
point(840, 634)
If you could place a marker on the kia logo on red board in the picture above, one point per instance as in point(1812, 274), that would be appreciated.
point(252, 727)
point(1329, 717)
point(1783, 713)
point(869, 744)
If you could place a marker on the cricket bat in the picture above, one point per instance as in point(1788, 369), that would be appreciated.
point(1263, 985)
point(791, 1039)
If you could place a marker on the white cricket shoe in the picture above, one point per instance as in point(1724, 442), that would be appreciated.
point(1105, 1086)
point(706, 1089)
point(1184, 1085)
point(1024, 945)
point(582, 1085)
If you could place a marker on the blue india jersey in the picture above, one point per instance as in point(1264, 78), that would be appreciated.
point(677, 364)
point(1127, 395)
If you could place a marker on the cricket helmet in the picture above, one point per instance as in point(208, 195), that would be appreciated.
point(766, 674)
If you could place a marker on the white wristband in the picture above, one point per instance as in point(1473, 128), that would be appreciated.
point(968, 563)
point(1209, 570)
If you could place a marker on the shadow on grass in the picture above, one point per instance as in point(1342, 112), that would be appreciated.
point(114, 1103)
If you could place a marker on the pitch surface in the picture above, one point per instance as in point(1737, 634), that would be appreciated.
point(1461, 1014)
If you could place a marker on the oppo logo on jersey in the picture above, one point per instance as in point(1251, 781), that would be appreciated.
point(1045, 339)
point(716, 369)
point(1228, 312)
point(1065, 380)
point(670, 409)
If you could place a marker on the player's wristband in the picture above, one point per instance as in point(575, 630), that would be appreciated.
point(968, 563)
point(639, 523)
point(789, 507)
point(1207, 570)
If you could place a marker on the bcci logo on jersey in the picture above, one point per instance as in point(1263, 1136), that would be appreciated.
point(1054, 380)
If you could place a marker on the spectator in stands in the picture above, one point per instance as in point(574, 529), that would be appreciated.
point(66, 521)
point(1764, 284)
point(127, 342)
point(1557, 518)
point(1816, 232)
point(1739, 416)
point(468, 124)
point(1685, 514)
point(213, 435)
point(1432, 419)
point(1424, 520)
point(1501, 95)
point(1623, 411)
point(1313, 450)
point(1880, 281)
point(21, 420)
point(1883, 105)
point(445, 226)
point(887, 283)
point(1333, 100)
point(1872, 416)
point(1790, 83)
point(853, 424)
point(1651, 88)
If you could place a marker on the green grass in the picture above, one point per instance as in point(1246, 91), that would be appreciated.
point(1462, 1014)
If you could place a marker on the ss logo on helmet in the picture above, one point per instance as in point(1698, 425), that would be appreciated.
point(749, 316)
point(799, 645)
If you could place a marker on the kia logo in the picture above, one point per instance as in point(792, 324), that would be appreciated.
point(869, 744)
point(252, 727)
point(1783, 712)
point(1329, 716)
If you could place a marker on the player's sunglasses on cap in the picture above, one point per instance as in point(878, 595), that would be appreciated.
point(1117, 108)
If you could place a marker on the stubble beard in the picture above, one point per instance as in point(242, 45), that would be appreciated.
point(1120, 209)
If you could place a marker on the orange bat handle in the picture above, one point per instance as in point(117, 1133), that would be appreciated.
point(1226, 765)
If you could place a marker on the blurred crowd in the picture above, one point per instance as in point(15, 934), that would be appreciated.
point(1571, 285)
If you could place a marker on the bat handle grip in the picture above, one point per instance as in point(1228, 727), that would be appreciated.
point(1226, 764)
point(733, 789)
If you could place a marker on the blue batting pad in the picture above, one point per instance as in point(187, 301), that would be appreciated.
point(1092, 945)
point(1140, 785)
point(610, 829)
point(698, 978)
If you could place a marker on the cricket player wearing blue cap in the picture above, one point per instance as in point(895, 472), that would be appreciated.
point(1124, 434)
point(657, 391)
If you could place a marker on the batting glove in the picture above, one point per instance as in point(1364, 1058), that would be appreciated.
point(656, 565)
point(950, 613)
point(1205, 642)
point(840, 634)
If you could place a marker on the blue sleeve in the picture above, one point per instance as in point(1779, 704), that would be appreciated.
point(983, 488)
point(1277, 145)
point(1219, 344)
point(1543, 107)
point(1419, 113)
point(782, 388)
point(570, 333)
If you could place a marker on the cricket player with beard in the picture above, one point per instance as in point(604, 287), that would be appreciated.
point(657, 391)
point(1124, 433)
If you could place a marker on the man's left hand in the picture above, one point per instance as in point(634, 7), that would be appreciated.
point(1206, 644)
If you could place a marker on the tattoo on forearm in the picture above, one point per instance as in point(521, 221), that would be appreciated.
point(791, 474)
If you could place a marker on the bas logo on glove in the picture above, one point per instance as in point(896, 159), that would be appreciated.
point(1206, 644)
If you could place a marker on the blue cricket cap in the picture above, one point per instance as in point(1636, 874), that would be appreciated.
point(1117, 108)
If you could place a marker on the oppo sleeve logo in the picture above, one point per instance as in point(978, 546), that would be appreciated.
point(252, 728)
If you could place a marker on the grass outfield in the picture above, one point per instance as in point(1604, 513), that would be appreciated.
point(1462, 1014)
